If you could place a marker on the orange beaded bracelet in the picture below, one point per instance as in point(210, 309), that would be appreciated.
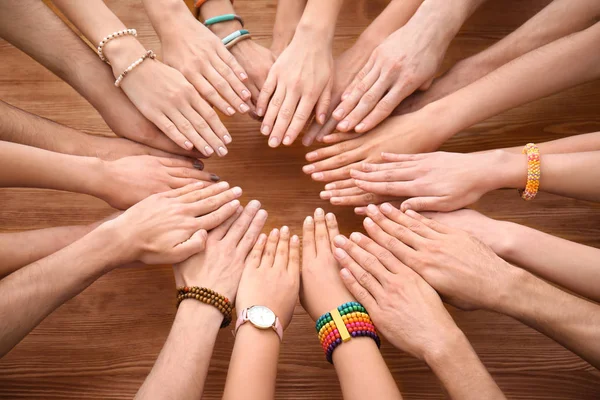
point(533, 172)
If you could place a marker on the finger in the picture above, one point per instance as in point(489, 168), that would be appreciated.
point(294, 260)
point(187, 189)
point(311, 134)
point(181, 162)
point(175, 183)
point(284, 117)
point(253, 260)
point(273, 110)
point(189, 131)
point(332, 228)
point(193, 196)
point(215, 126)
point(400, 250)
point(299, 120)
point(390, 189)
point(211, 95)
point(222, 65)
point(338, 137)
point(232, 62)
point(322, 240)
point(384, 173)
point(252, 233)
point(435, 225)
point(220, 231)
point(324, 130)
point(324, 102)
point(359, 292)
point(309, 250)
point(358, 200)
point(283, 249)
point(217, 217)
point(328, 194)
point(334, 174)
point(241, 225)
point(212, 203)
point(254, 91)
point(348, 105)
point(384, 107)
point(333, 162)
point(384, 255)
point(399, 231)
point(364, 277)
point(428, 203)
point(414, 225)
point(270, 249)
point(224, 88)
point(366, 103)
point(392, 157)
point(195, 244)
point(266, 92)
point(329, 151)
point(343, 184)
point(167, 126)
point(190, 173)
point(368, 261)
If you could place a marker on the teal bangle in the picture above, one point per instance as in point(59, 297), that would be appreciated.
point(223, 18)
point(234, 35)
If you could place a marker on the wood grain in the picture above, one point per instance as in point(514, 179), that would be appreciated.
point(102, 344)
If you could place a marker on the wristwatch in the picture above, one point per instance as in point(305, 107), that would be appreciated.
point(261, 317)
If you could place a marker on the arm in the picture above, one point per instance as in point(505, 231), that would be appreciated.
point(289, 13)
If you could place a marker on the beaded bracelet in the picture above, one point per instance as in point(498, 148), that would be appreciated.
point(148, 54)
point(224, 18)
point(207, 296)
point(343, 323)
point(533, 172)
point(113, 35)
point(234, 35)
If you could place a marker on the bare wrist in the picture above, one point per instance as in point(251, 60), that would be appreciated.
point(169, 17)
point(443, 354)
point(507, 170)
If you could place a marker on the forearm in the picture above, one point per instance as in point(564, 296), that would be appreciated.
point(571, 144)
point(289, 13)
point(214, 8)
point(165, 14)
point(461, 372)
point(362, 372)
point(30, 294)
point(254, 362)
point(320, 18)
point(571, 321)
point(182, 365)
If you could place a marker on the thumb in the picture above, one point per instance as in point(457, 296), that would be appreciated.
point(323, 103)
point(423, 204)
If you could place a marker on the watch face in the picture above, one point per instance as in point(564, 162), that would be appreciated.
point(261, 316)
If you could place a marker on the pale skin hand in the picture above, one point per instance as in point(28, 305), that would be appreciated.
point(360, 368)
point(411, 315)
point(201, 58)
point(181, 368)
point(271, 279)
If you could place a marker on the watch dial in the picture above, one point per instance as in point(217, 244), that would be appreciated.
point(261, 316)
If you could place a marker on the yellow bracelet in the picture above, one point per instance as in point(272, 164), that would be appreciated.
point(533, 172)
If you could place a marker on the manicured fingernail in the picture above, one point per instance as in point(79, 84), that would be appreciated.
point(243, 76)
point(227, 139)
point(307, 169)
point(245, 94)
point(254, 204)
point(339, 113)
point(188, 144)
point(261, 239)
point(198, 164)
point(295, 239)
point(308, 220)
point(274, 232)
point(343, 125)
point(330, 217)
point(355, 237)
point(330, 186)
point(230, 110)
point(319, 212)
point(285, 229)
point(339, 253)
point(222, 151)
point(359, 127)
point(386, 208)
point(274, 142)
point(208, 150)
point(411, 213)
point(237, 191)
point(372, 208)
point(335, 200)
point(325, 195)
point(287, 140)
point(345, 273)
point(234, 203)
point(312, 155)
point(260, 112)
point(317, 176)
point(369, 222)
point(214, 178)
point(265, 129)
point(244, 108)
point(339, 240)
point(322, 118)
point(262, 215)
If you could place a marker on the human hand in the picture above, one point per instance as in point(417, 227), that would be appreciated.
point(220, 266)
point(256, 61)
point(406, 61)
point(300, 79)
point(440, 181)
point(129, 180)
point(346, 193)
point(169, 227)
point(206, 63)
point(462, 269)
point(321, 288)
point(403, 307)
point(271, 275)
point(113, 148)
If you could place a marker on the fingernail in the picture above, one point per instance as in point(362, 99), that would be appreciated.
point(411, 213)
point(227, 139)
point(265, 129)
point(245, 94)
point(322, 118)
point(214, 178)
point(359, 127)
point(325, 195)
point(287, 140)
point(311, 156)
point(260, 112)
point(223, 185)
point(262, 238)
point(372, 208)
point(339, 253)
point(355, 237)
point(198, 164)
point(345, 273)
point(386, 208)
point(319, 212)
point(243, 75)
point(339, 113)
point(344, 96)
point(343, 125)
point(285, 229)
point(308, 169)
point(339, 240)
point(208, 150)
point(330, 186)
point(254, 204)
point(230, 110)
point(335, 200)
point(188, 144)
point(295, 239)
point(237, 190)
point(308, 220)
point(330, 217)
point(274, 232)
point(369, 222)
point(222, 151)
point(317, 176)
point(261, 215)
point(273, 142)
point(235, 203)
point(244, 108)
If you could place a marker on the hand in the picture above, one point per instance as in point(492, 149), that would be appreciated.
point(271, 276)
point(256, 61)
point(170, 227)
point(207, 64)
point(407, 134)
point(131, 179)
point(403, 307)
point(346, 66)
point(346, 193)
point(458, 266)
point(113, 148)
point(406, 61)
point(220, 266)
point(440, 181)
point(300, 78)
point(321, 289)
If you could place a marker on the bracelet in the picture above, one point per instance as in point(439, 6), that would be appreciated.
point(342, 324)
point(234, 35)
point(223, 18)
point(533, 172)
point(237, 40)
point(207, 296)
point(113, 35)
point(200, 2)
point(148, 54)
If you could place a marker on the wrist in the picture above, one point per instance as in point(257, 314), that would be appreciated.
point(170, 16)
point(317, 31)
point(122, 52)
point(114, 252)
point(223, 29)
point(258, 337)
point(442, 355)
point(508, 170)
point(191, 309)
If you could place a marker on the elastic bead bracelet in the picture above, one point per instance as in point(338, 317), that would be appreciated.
point(207, 296)
point(533, 172)
point(347, 321)
point(148, 54)
point(223, 18)
point(113, 35)
point(234, 35)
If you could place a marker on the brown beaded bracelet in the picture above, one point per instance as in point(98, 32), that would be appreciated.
point(207, 296)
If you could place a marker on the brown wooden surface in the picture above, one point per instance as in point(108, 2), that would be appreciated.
point(102, 344)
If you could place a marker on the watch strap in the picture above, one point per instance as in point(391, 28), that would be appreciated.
point(243, 318)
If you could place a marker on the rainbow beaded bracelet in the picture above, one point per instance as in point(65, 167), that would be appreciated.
point(343, 323)
point(533, 172)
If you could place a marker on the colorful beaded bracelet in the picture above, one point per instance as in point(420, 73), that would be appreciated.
point(223, 18)
point(343, 323)
point(136, 63)
point(207, 296)
point(533, 172)
point(110, 37)
point(234, 35)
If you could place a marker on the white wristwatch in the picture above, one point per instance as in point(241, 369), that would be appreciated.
point(261, 317)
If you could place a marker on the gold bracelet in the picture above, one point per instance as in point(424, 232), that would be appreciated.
point(237, 40)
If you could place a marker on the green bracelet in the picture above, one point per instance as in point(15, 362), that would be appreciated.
point(234, 35)
point(223, 18)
